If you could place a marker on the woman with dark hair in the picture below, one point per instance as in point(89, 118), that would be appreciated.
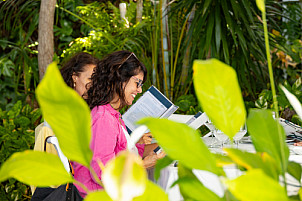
point(77, 71)
point(115, 82)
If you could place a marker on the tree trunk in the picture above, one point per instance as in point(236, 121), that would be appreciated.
point(45, 39)
point(165, 46)
point(139, 10)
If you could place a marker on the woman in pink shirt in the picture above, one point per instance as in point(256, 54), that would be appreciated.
point(115, 82)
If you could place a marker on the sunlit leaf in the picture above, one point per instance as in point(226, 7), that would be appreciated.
point(295, 170)
point(98, 195)
point(124, 177)
point(263, 130)
point(250, 160)
point(218, 91)
point(191, 188)
point(68, 115)
point(35, 168)
point(152, 192)
point(293, 101)
point(178, 140)
point(256, 185)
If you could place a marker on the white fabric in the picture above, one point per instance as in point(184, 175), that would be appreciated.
point(130, 145)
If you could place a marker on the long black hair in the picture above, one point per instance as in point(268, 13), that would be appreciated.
point(109, 76)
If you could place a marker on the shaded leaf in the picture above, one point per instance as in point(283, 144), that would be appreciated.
point(160, 164)
point(67, 114)
point(35, 168)
point(263, 130)
point(295, 170)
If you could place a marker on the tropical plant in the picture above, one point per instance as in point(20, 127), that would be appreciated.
point(231, 32)
point(16, 135)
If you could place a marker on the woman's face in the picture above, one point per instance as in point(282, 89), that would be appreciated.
point(132, 89)
point(83, 78)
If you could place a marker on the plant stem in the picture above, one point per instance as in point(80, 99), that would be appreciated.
point(275, 102)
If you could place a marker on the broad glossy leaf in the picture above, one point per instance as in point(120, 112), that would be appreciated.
point(263, 130)
point(124, 177)
point(252, 161)
point(295, 170)
point(178, 140)
point(98, 195)
point(256, 185)
point(191, 188)
point(218, 91)
point(293, 101)
point(35, 168)
point(68, 115)
point(152, 192)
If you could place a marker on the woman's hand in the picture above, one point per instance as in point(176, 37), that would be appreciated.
point(298, 144)
point(150, 160)
point(145, 139)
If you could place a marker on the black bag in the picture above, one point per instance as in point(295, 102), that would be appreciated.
point(61, 193)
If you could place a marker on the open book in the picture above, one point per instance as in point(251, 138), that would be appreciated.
point(151, 104)
point(154, 104)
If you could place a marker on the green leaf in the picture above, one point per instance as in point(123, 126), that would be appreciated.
point(191, 188)
point(252, 161)
point(98, 195)
point(295, 170)
point(152, 192)
point(35, 168)
point(178, 140)
point(160, 164)
point(68, 115)
point(218, 91)
point(263, 130)
point(255, 185)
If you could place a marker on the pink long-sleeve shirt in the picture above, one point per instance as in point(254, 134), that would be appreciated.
point(108, 139)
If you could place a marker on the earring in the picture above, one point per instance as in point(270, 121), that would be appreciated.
point(74, 85)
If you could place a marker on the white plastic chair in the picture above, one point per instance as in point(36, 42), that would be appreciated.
point(54, 140)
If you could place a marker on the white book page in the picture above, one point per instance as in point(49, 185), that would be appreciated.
point(146, 106)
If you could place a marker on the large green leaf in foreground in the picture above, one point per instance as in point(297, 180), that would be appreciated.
point(68, 115)
point(182, 143)
point(218, 91)
point(35, 168)
point(264, 132)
